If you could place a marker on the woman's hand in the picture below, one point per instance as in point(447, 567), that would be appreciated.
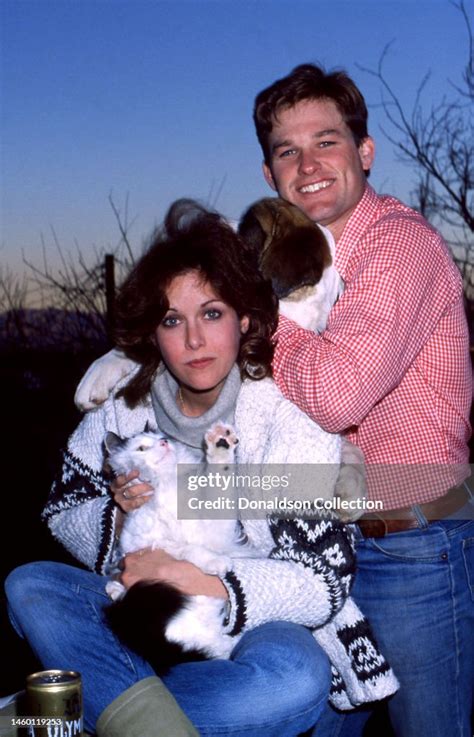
point(156, 565)
point(129, 495)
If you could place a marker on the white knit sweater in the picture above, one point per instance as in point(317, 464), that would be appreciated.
point(307, 566)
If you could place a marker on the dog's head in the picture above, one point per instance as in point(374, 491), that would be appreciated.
point(292, 251)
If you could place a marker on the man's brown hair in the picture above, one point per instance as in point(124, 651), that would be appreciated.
point(309, 82)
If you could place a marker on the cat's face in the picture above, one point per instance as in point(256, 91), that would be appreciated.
point(143, 451)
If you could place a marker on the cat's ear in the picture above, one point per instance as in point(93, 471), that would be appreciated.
point(112, 441)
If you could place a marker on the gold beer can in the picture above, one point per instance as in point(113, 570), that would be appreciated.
point(54, 704)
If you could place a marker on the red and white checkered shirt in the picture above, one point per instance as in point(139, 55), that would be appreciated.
point(392, 370)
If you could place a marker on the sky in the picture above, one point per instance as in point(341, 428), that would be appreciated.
point(146, 101)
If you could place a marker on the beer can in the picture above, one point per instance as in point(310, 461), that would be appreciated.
point(54, 704)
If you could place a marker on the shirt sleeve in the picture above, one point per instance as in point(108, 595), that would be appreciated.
point(80, 512)
point(306, 579)
point(399, 284)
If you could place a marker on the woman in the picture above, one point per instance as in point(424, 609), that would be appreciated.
point(197, 317)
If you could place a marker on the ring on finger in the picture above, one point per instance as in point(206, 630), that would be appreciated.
point(125, 494)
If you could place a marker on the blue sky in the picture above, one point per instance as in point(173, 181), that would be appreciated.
point(152, 100)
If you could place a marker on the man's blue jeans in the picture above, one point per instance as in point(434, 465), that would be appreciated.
point(275, 685)
point(417, 590)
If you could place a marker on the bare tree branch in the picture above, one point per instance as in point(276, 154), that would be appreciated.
point(64, 305)
point(438, 143)
point(467, 89)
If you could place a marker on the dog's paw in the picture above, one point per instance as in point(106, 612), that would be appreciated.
point(100, 379)
point(115, 590)
point(221, 442)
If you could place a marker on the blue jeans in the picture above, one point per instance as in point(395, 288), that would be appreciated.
point(275, 684)
point(417, 590)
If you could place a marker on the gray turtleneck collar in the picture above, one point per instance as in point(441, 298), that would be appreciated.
point(191, 430)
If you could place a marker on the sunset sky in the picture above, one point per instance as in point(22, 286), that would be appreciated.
point(152, 100)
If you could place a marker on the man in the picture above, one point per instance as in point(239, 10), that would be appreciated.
point(392, 371)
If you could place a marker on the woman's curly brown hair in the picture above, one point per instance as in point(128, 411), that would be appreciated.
point(193, 238)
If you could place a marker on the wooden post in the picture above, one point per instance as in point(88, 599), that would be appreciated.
point(110, 295)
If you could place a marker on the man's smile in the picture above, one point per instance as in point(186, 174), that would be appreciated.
point(315, 187)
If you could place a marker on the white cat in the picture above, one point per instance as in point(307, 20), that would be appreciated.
point(155, 619)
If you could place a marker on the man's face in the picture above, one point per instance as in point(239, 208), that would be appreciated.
point(316, 164)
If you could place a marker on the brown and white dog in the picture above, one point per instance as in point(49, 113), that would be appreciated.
point(297, 256)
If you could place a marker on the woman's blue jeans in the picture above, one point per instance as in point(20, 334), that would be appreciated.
point(417, 590)
point(275, 684)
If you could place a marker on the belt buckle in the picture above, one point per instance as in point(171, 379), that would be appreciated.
point(385, 526)
point(372, 522)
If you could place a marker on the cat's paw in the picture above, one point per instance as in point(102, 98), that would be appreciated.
point(221, 441)
point(115, 590)
point(218, 566)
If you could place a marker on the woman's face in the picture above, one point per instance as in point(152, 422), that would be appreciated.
point(199, 337)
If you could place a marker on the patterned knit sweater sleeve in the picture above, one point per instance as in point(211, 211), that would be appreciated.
point(80, 512)
point(306, 578)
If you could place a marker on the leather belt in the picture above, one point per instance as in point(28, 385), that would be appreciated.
point(399, 520)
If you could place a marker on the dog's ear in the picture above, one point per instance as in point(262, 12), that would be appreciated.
point(251, 231)
point(295, 258)
point(297, 252)
point(292, 251)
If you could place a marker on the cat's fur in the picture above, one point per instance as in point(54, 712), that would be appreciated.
point(297, 256)
point(154, 618)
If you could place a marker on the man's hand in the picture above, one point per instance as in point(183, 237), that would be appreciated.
point(351, 483)
point(156, 565)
